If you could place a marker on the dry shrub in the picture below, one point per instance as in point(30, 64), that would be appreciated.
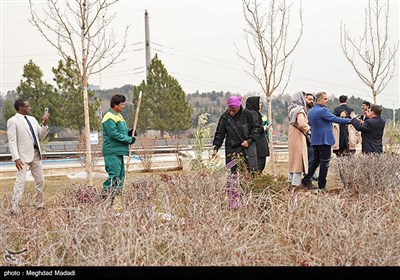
point(369, 173)
point(182, 219)
point(85, 194)
point(146, 151)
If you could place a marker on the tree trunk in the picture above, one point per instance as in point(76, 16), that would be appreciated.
point(84, 74)
point(87, 136)
point(271, 130)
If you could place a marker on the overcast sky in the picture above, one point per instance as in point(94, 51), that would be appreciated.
point(196, 41)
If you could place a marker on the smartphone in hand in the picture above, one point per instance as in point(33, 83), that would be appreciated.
point(46, 111)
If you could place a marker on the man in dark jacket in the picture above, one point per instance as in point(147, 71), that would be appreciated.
point(342, 106)
point(240, 128)
point(365, 106)
point(371, 130)
point(116, 141)
point(253, 104)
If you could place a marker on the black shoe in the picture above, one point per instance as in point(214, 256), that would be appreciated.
point(309, 185)
point(315, 178)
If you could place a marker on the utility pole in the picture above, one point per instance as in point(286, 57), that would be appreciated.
point(99, 43)
point(147, 42)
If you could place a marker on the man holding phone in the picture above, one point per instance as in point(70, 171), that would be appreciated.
point(24, 134)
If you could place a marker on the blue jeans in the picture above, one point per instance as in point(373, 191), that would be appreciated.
point(322, 157)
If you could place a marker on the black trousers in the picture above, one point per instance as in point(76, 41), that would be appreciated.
point(322, 157)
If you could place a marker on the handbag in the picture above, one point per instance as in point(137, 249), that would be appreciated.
point(308, 140)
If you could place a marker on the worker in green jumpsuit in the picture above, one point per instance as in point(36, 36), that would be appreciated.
point(116, 141)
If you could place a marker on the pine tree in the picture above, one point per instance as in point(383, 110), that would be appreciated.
point(70, 91)
point(40, 94)
point(164, 106)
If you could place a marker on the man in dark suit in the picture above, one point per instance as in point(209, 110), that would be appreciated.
point(371, 130)
point(365, 106)
point(342, 106)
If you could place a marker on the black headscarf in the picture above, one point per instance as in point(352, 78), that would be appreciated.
point(253, 104)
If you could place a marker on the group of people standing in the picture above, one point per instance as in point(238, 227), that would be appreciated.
point(312, 138)
point(337, 132)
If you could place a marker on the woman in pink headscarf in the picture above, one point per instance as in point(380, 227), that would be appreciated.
point(239, 128)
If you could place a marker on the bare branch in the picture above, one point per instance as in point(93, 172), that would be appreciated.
point(377, 67)
point(72, 28)
point(268, 50)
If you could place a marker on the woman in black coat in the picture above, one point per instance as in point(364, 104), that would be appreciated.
point(239, 128)
point(253, 104)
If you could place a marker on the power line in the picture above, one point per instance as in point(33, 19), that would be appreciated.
point(240, 70)
point(205, 56)
point(158, 50)
point(207, 81)
point(22, 55)
point(53, 53)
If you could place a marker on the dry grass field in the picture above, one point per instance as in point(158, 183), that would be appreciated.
point(182, 219)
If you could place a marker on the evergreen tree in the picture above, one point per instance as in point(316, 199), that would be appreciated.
point(70, 92)
point(9, 110)
point(164, 106)
point(39, 93)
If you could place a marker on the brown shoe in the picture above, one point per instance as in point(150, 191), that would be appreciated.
point(309, 185)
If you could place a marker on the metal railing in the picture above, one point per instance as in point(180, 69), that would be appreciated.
point(69, 149)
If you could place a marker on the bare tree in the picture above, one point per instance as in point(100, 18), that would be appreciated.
point(77, 29)
point(371, 57)
point(268, 48)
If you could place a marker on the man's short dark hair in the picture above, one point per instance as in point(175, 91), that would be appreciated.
point(368, 104)
point(310, 94)
point(116, 99)
point(19, 103)
point(342, 98)
point(377, 109)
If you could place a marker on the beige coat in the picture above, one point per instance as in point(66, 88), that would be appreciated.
point(297, 145)
point(354, 136)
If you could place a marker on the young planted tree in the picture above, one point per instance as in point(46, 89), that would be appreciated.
point(371, 57)
point(77, 29)
point(164, 106)
point(268, 48)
